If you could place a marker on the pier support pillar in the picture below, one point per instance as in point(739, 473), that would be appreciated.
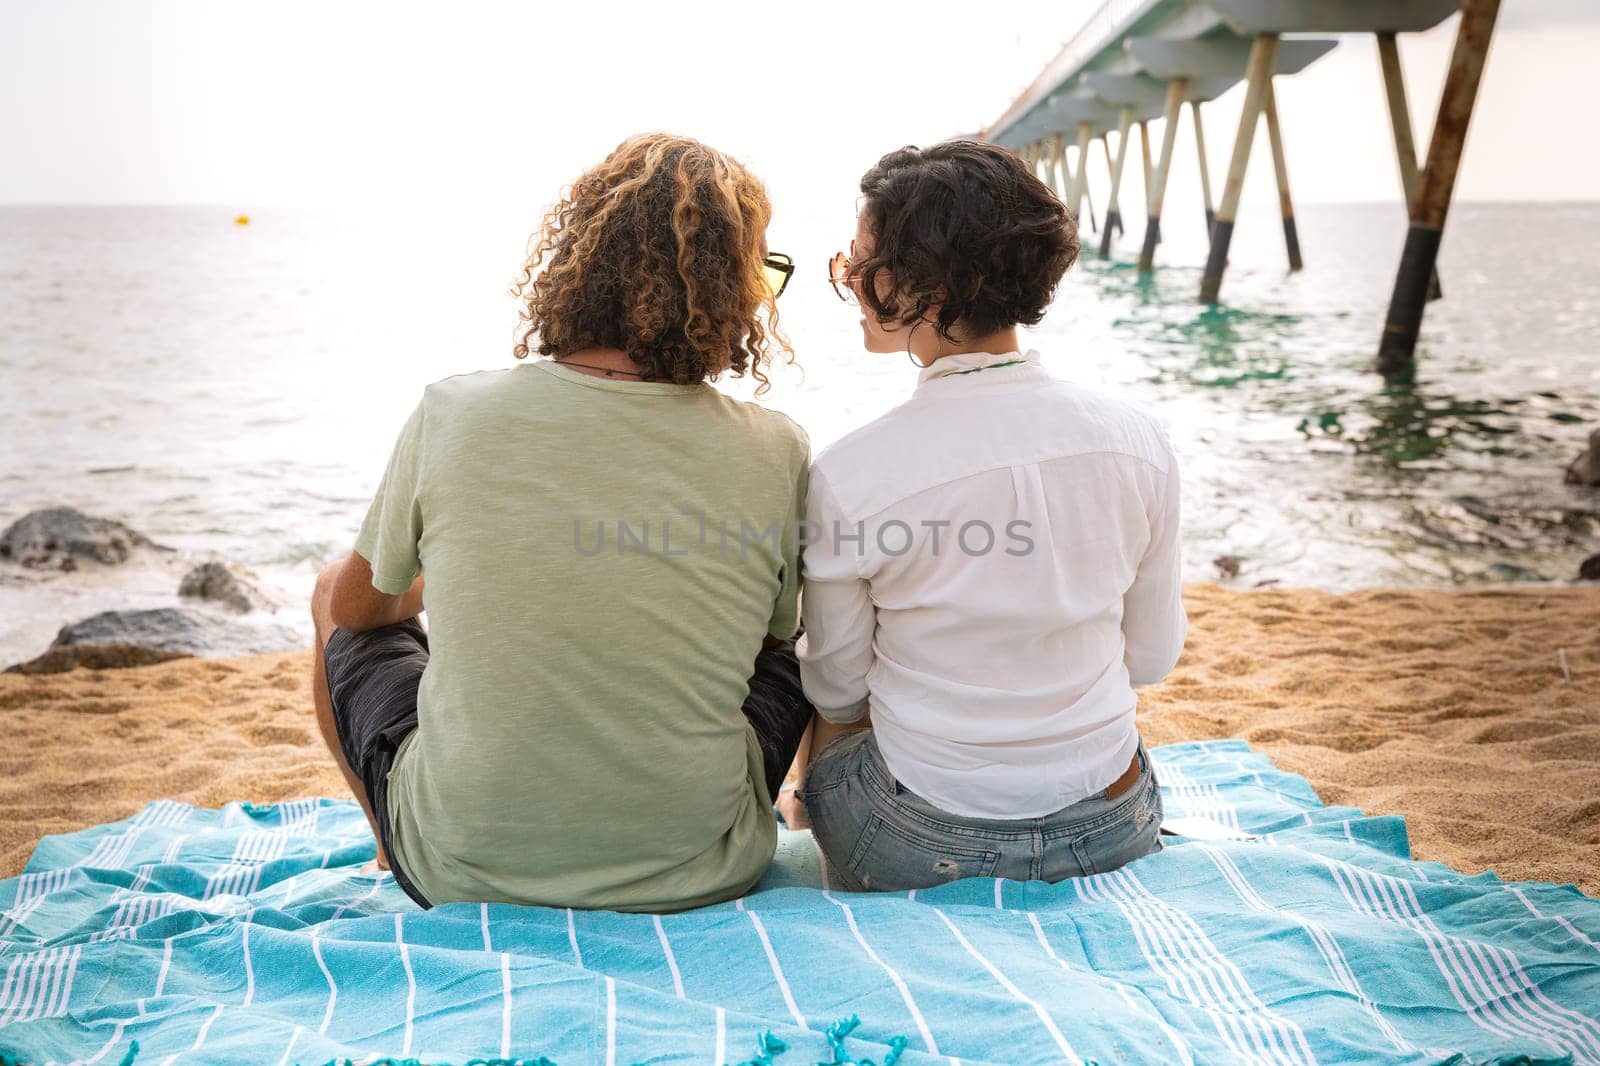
point(1057, 157)
point(1105, 142)
point(1177, 88)
point(1088, 194)
point(1397, 348)
point(1205, 169)
point(1113, 209)
point(1405, 149)
point(1263, 57)
point(1280, 166)
point(1081, 183)
point(1144, 150)
point(1064, 168)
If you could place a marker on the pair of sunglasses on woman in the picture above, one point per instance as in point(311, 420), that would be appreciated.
point(779, 269)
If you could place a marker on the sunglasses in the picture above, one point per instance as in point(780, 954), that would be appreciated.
point(839, 275)
point(777, 268)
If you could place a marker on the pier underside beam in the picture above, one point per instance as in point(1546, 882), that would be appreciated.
point(1176, 89)
point(1205, 168)
point(1280, 166)
point(1220, 56)
point(1263, 58)
point(1333, 16)
point(1114, 210)
point(1397, 348)
point(1405, 149)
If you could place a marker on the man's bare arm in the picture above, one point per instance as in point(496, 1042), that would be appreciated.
point(358, 606)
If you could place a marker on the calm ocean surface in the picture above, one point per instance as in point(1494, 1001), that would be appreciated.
point(233, 391)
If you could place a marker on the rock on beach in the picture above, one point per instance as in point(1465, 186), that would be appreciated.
point(56, 538)
point(134, 638)
point(218, 583)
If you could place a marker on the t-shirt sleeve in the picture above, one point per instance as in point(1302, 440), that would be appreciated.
point(786, 609)
point(392, 530)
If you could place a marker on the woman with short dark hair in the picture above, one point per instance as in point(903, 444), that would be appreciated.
point(990, 568)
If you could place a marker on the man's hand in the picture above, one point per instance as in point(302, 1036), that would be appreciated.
point(357, 606)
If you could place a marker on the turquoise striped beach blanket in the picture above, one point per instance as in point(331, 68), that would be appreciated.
point(248, 935)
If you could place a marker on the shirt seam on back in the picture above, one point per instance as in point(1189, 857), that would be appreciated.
point(990, 469)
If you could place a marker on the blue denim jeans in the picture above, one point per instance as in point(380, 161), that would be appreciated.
point(878, 835)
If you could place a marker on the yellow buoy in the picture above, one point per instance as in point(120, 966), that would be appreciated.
point(242, 220)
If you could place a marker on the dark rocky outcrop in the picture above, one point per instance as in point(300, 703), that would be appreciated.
point(95, 657)
point(180, 629)
point(56, 538)
point(220, 584)
point(1585, 469)
point(1589, 569)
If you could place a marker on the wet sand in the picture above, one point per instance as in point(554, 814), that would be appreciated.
point(1450, 708)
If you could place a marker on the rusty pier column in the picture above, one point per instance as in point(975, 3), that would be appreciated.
point(1405, 149)
point(1113, 210)
point(1105, 142)
point(1177, 88)
point(1057, 156)
point(1144, 150)
point(1397, 348)
point(1088, 194)
point(1081, 183)
point(1280, 165)
point(1263, 58)
point(1205, 169)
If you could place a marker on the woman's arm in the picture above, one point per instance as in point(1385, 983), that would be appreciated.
point(1154, 623)
point(835, 651)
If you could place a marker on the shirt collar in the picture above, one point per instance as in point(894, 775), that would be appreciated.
point(964, 366)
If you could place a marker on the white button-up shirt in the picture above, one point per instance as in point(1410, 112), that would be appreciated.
point(990, 568)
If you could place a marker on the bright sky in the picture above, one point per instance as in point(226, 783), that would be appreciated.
point(497, 105)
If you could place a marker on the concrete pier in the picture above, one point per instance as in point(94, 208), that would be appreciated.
point(1263, 55)
point(1149, 57)
point(1205, 167)
point(1397, 348)
point(1280, 166)
point(1405, 150)
point(1114, 208)
point(1176, 89)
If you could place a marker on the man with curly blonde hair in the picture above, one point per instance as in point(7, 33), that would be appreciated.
point(606, 549)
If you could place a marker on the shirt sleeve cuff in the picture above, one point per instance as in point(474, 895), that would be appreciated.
point(844, 715)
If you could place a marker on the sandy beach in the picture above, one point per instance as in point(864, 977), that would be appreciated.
point(1474, 714)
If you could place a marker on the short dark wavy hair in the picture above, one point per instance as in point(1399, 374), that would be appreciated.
point(968, 226)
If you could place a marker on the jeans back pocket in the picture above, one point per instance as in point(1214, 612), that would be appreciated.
point(892, 856)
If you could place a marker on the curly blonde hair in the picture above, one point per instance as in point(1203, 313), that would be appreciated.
point(657, 251)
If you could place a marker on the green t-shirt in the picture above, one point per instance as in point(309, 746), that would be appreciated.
point(602, 559)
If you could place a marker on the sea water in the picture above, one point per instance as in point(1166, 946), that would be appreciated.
point(233, 391)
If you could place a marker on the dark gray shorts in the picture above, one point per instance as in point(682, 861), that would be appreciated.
point(373, 677)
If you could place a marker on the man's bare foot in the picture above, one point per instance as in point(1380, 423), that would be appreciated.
point(793, 811)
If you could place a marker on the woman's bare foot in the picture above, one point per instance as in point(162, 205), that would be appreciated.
point(380, 863)
point(793, 811)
